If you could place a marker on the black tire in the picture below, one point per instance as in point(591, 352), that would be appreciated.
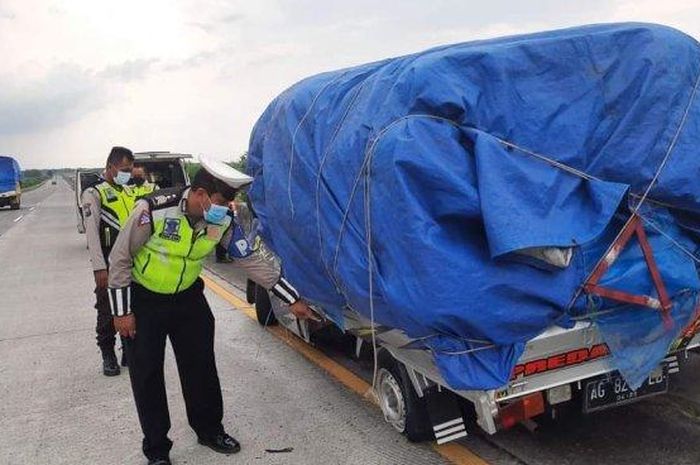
point(263, 307)
point(14, 205)
point(250, 291)
point(417, 426)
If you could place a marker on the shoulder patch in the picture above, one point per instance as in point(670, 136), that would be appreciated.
point(144, 219)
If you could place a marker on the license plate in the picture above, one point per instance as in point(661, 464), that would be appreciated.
point(611, 390)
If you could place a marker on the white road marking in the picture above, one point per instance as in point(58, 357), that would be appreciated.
point(31, 208)
point(18, 218)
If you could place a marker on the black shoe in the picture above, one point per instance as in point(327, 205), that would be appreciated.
point(159, 462)
point(110, 367)
point(221, 443)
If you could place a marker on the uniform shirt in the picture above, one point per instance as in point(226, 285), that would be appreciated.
point(264, 269)
point(92, 209)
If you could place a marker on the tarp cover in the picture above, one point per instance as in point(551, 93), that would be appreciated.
point(9, 174)
point(437, 167)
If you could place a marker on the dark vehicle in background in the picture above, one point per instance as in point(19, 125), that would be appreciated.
point(165, 169)
point(84, 178)
point(10, 191)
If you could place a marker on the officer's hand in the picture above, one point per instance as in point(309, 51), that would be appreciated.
point(302, 311)
point(101, 279)
point(125, 325)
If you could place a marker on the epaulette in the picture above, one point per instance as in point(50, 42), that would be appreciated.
point(96, 184)
point(164, 198)
point(93, 184)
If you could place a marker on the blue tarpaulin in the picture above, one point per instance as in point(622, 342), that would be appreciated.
point(406, 189)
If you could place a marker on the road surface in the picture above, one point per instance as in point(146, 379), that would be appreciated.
point(29, 201)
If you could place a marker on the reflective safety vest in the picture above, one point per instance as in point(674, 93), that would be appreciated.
point(116, 205)
point(143, 190)
point(172, 259)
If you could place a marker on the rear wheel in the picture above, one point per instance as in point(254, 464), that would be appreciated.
point(402, 407)
point(263, 307)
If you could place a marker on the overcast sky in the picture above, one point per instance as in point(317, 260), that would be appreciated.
point(78, 76)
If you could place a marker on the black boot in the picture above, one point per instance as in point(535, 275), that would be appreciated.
point(221, 443)
point(125, 359)
point(110, 367)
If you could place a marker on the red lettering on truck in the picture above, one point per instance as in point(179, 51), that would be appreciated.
point(555, 362)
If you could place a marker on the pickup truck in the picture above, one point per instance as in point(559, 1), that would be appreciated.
point(365, 198)
point(165, 169)
point(562, 370)
point(10, 191)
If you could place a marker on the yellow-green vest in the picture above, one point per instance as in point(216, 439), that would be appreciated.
point(116, 205)
point(143, 190)
point(172, 259)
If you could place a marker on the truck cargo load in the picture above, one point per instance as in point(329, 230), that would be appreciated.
point(473, 195)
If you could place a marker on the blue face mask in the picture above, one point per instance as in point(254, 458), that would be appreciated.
point(122, 178)
point(216, 214)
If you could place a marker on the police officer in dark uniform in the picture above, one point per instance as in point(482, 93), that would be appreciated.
point(156, 292)
point(106, 206)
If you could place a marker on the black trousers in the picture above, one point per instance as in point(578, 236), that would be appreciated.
point(105, 327)
point(105, 324)
point(187, 320)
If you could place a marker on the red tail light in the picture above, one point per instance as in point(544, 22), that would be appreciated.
point(522, 409)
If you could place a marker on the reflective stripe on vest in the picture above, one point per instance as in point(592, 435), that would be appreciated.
point(116, 205)
point(172, 259)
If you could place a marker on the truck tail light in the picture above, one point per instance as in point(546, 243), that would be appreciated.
point(520, 410)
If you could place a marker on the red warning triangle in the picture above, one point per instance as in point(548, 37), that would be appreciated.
point(634, 227)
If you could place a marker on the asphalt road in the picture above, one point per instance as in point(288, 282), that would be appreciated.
point(29, 201)
point(57, 407)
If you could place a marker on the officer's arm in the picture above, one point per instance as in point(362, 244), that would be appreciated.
point(131, 238)
point(262, 268)
point(92, 208)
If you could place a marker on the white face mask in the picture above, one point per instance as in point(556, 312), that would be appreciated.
point(122, 178)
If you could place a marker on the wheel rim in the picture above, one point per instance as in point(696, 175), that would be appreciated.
point(391, 400)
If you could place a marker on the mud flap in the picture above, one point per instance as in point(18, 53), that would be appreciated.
point(445, 415)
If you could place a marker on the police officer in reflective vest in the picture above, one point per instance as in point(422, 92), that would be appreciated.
point(156, 292)
point(139, 185)
point(106, 206)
